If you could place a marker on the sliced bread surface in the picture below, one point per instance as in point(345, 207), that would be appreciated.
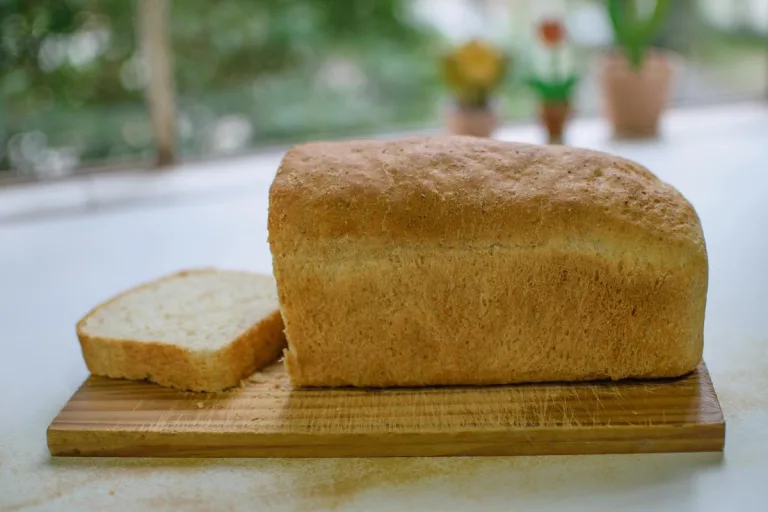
point(198, 330)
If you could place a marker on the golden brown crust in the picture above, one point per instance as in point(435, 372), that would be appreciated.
point(179, 368)
point(454, 260)
point(459, 190)
point(256, 348)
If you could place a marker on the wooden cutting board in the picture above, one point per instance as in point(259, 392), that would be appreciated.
point(266, 418)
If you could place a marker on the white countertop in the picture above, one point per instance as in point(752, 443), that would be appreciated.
point(99, 240)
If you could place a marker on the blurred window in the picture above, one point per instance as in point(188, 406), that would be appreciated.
point(249, 74)
point(70, 86)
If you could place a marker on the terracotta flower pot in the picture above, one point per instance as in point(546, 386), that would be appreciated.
point(635, 99)
point(475, 122)
point(554, 116)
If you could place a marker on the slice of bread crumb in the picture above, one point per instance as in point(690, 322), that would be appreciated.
point(198, 330)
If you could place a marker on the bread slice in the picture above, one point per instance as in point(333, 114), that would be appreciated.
point(198, 330)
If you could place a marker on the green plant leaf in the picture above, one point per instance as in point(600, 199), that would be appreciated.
point(555, 90)
point(632, 33)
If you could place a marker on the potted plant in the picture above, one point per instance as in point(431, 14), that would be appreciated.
point(473, 72)
point(636, 80)
point(555, 86)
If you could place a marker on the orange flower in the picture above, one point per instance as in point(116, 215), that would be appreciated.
point(551, 32)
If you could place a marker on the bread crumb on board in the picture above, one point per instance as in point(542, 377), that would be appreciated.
point(200, 405)
point(266, 380)
point(111, 492)
point(257, 377)
point(274, 381)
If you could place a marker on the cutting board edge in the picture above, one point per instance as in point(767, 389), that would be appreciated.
point(703, 437)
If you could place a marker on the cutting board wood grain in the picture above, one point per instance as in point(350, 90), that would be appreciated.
point(264, 417)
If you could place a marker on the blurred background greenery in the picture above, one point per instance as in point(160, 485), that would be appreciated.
point(249, 74)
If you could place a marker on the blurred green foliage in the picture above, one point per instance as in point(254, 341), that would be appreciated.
point(275, 64)
point(256, 72)
point(260, 60)
point(77, 101)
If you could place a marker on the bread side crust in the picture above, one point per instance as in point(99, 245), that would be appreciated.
point(180, 368)
point(436, 317)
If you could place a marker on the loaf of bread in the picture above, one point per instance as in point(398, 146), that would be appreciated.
point(455, 260)
point(199, 330)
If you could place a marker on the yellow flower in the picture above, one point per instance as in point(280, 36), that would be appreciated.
point(473, 71)
point(479, 63)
